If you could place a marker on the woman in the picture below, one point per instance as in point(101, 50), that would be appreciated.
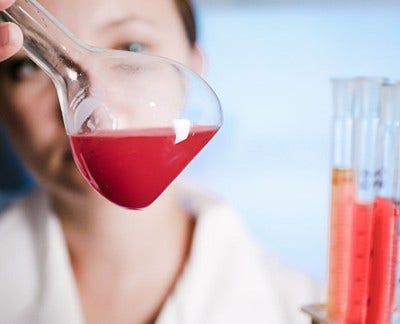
point(70, 256)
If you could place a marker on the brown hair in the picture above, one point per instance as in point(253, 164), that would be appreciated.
point(186, 11)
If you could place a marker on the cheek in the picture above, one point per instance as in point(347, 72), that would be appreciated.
point(32, 117)
point(176, 51)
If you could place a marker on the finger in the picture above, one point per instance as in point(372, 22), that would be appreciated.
point(10, 40)
point(5, 4)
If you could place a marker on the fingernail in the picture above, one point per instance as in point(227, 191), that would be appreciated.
point(13, 34)
point(4, 34)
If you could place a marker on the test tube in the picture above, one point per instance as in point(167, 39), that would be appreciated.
point(356, 119)
point(367, 110)
point(384, 240)
point(395, 318)
point(342, 192)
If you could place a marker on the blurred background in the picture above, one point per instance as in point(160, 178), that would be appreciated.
point(270, 63)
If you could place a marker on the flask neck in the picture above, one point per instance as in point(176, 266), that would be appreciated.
point(49, 44)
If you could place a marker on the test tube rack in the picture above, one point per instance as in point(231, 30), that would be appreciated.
point(317, 313)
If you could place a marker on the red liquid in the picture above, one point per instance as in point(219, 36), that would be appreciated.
point(342, 197)
point(350, 251)
point(394, 274)
point(360, 263)
point(133, 167)
point(382, 285)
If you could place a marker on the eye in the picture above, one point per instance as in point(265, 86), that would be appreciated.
point(133, 47)
point(20, 69)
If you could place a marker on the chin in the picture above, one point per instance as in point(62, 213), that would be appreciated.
point(69, 178)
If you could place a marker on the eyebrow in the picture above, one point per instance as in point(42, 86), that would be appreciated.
point(121, 21)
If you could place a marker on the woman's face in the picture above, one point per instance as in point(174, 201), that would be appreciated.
point(28, 102)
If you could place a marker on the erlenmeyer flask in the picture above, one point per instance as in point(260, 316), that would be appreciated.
point(134, 120)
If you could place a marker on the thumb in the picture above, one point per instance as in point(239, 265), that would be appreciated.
point(10, 40)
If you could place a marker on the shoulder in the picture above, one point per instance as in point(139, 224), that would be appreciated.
point(254, 272)
point(236, 243)
point(23, 217)
point(21, 227)
point(294, 289)
point(35, 275)
point(233, 279)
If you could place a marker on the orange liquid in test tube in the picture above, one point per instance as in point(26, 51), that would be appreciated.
point(342, 197)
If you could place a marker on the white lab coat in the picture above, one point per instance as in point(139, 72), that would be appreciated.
point(228, 278)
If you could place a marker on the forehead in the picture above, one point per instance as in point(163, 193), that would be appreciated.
point(86, 16)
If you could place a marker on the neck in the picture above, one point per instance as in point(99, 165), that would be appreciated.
point(96, 224)
point(143, 252)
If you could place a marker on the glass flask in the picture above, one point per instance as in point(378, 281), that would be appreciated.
point(134, 120)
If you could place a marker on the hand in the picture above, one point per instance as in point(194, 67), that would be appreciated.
point(10, 35)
